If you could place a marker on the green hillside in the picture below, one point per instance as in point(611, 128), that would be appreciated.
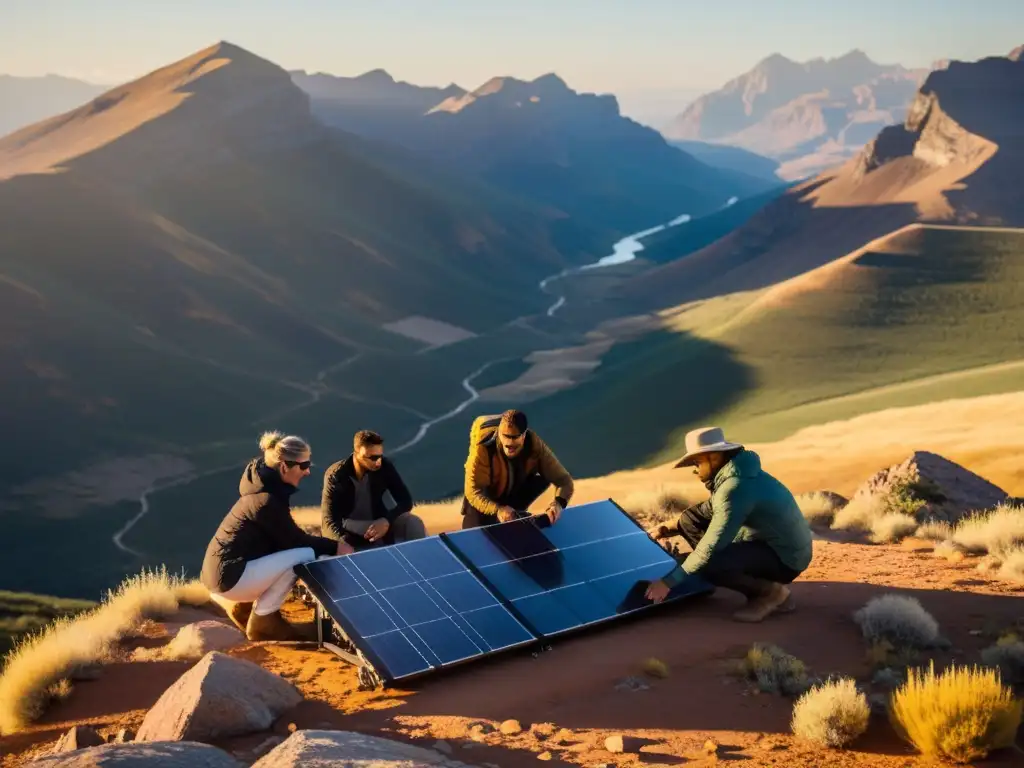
point(929, 302)
point(23, 613)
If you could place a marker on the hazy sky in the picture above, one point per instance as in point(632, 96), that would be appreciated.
point(637, 47)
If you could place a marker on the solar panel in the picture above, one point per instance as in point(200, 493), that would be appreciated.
point(410, 608)
point(413, 607)
point(592, 566)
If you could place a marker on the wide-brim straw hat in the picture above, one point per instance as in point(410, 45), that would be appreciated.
point(705, 440)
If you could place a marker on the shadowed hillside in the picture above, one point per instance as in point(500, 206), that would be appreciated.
point(540, 140)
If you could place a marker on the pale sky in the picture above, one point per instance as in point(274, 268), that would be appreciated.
point(633, 48)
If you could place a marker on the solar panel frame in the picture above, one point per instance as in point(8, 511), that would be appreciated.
point(360, 584)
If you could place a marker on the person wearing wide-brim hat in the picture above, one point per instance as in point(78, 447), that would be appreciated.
point(750, 536)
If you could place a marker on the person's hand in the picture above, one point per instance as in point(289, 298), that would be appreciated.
point(377, 530)
point(344, 548)
point(659, 532)
point(657, 591)
point(505, 514)
point(553, 511)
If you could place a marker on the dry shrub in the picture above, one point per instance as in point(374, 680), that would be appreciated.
point(893, 527)
point(961, 714)
point(655, 507)
point(935, 530)
point(882, 654)
point(904, 498)
point(774, 670)
point(900, 620)
point(37, 665)
point(995, 532)
point(859, 513)
point(1007, 655)
point(1012, 568)
point(832, 714)
point(949, 550)
point(818, 508)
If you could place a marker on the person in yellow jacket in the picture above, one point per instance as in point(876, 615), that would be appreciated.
point(507, 470)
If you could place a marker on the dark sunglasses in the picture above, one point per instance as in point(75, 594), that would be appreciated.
point(375, 457)
point(303, 465)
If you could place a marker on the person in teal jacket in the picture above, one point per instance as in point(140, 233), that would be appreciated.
point(750, 536)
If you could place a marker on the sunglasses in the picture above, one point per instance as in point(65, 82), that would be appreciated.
point(303, 465)
point(374, 457)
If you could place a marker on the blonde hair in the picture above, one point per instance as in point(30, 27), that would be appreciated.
point(277, 447)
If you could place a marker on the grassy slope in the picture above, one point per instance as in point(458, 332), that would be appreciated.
point(937, 301)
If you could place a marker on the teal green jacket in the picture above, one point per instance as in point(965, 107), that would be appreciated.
point(748, 504)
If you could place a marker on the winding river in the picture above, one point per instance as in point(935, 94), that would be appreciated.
point(625, 250)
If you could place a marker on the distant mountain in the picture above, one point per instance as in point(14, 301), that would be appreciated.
point(957, 159)
point(809, 116)
point(372, 104)
point(731, 158)
point(543, 141)
point(26, 100)
point(176, 253)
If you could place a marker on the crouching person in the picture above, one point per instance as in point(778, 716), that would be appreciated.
point(249, 562)
point(750, 536)
point(353, 507)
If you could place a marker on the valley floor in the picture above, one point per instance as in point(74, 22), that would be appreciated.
point(587, 685)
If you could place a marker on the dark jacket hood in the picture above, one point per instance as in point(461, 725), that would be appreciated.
point(259, 478)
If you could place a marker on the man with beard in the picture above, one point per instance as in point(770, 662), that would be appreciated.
point(750, 536)
point(353, 505)
point(507, 470)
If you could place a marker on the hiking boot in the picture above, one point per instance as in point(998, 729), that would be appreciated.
point(273, 626)
point(761, 607)
point(239, 614)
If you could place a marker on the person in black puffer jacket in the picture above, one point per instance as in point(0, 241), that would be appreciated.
point(250, 559)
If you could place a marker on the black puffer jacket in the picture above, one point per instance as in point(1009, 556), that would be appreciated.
point(259, 524)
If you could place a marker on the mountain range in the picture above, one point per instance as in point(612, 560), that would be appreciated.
point(807, 115)
point(26, 100)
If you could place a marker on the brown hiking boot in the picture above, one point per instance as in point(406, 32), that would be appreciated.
point(760, 608)
point(239, 614)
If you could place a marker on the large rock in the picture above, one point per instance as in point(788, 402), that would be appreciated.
point(312, 749)
point(948, 490)
point(165, 754)
point(220, 696)
point(79, 737)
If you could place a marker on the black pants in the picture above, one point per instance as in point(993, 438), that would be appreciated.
point(519, 498)
point(747, 567)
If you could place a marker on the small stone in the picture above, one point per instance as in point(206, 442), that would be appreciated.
point(542, 730)
point(79, 737)
point(292, 727)
point(443, 746)
point(124, 736)
point(544, 756)
point(511, 727)
point(563, 736)
point(615, 743)
point(711, 747)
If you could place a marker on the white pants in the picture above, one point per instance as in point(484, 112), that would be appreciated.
point(267, 581)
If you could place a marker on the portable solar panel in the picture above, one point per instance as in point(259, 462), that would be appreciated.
point(592, 566)
point(412, 607)
point(407, 609)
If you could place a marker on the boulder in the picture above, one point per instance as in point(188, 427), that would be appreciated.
point(194, 641)
point(182, 754)
point(220, 696)
point(79, 737)
point(948, 491)
point(318, 749)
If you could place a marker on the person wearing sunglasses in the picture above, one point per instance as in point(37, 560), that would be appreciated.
point(508, 468)
point(249, 562)
point(354, 505)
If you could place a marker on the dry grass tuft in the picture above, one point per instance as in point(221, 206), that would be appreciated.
point(961, 714)
point(656, 506)
point(833, 714)
point(995, 532)
point(1012, 568)
point(892, 528)
point(935, 530)
point(1007, 655)
point(38, 666)
point(859, 513)
point(656, 668)
point(901, 621)
point(882, 654)
point(818, 508)
point(949, 550)
point(774, 670)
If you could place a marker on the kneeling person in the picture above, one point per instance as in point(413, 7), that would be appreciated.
point(352, 507)
point(750, 536)
point(508, 468)
point(249, 562)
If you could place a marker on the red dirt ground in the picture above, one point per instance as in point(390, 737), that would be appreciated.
point(567, 699)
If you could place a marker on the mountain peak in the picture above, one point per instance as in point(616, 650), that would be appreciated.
point(376, 77)
point(1017, 53)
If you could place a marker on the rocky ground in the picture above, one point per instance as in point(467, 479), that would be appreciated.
point(574, 705)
